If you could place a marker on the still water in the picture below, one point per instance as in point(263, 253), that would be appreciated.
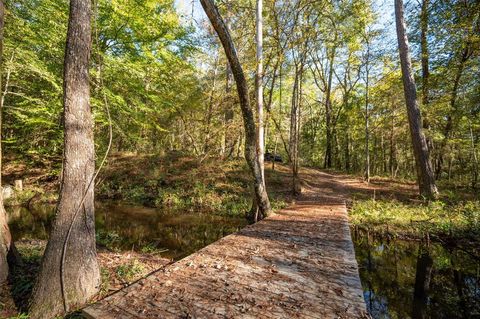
point(404, 279)
point(126, 227)
point(400, 279)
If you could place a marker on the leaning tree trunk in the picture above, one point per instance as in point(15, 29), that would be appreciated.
point(251, 157)
point(69, 275)
point(426, 179)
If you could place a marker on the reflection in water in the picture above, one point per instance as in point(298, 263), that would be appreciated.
point(403, 279)
point(421, 290)
point(131, 227)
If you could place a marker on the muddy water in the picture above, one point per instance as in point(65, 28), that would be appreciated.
point(403, 279)
point(122, 227)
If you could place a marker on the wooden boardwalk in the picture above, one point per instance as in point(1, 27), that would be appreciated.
point(299, 263)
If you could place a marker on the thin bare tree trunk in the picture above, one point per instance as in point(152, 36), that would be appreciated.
point(69, 274)
point(294, 129)
point(328, 114)
point(229, 138)
point(259, 88)
point(208, 120)
point(251, 157)
point(425, 68)
point(367, 115)
point(424, 170)
point(453, 105)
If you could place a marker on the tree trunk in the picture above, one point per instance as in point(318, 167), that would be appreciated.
point(208, 119)
point(424, 170)
point(347, 150)
point(453, 106)
point(367, 128)
point(328, 114)
point(393, 147)
point(259, 89)
point(69, 274)
point(425, 68)
point(294, 128)
point(229, 137)
point(251, 157)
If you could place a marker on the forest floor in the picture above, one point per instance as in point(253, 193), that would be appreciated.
point(118, 270)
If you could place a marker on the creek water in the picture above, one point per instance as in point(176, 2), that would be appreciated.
point(405, 279)
point(126, 227)
point(400, 279)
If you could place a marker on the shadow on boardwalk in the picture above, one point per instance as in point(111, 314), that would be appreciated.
point(298, 263)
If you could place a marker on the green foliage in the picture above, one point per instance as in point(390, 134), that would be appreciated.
point(20, 316)
point(20, 197)
point(137, 63)
point(130, 271)
point(105, 281)
point(109, 239)
point(169, 198)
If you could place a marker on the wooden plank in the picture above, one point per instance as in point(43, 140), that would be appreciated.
point(299, 263)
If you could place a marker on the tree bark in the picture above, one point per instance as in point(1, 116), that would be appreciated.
point(367, 118)
point(426, 179)
point(251, 157)
point(208, 119)
point(259, 89)
point(425, 68)
point(69, 274)
point(328, 113)
point(453, 105)
point(295, 128)
point(229, 137)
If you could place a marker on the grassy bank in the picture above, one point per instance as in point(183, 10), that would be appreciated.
point(441, 219)
point(393, 208)
point(174, 182)
point(178, 183)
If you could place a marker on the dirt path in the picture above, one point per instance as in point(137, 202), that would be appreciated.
point(299, 263)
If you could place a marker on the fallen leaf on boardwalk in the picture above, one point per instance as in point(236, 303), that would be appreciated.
point(338, 291)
